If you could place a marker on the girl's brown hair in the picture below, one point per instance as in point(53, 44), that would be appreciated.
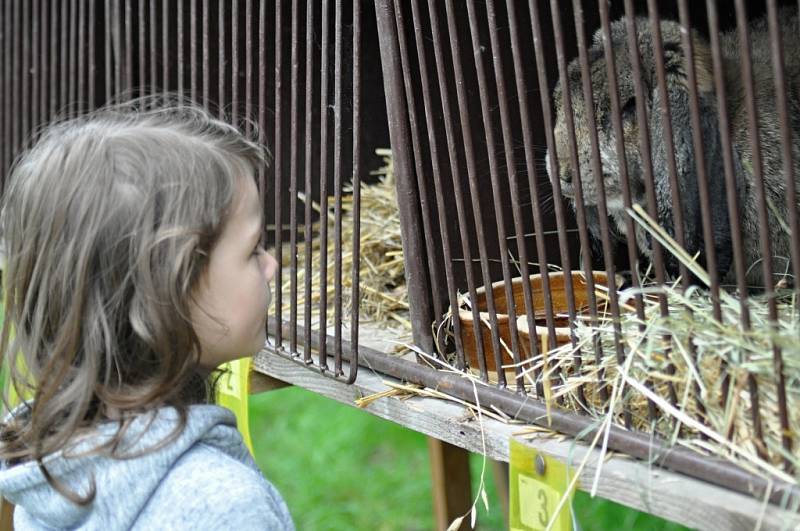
point(107, 223)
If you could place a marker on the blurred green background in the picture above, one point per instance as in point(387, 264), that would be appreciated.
point(343, 469)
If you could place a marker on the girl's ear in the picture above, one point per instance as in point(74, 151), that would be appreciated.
point(688, 174)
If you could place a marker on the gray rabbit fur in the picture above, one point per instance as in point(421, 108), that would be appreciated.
point(678, 93)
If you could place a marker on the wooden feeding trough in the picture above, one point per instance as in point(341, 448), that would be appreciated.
point(558, 294)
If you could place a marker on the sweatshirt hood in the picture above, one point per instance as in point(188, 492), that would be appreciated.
point(137, 477)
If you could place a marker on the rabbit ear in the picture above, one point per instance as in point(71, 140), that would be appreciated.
point(686, 162)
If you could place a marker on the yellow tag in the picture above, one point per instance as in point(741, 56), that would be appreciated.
point(537, 483)
point(233, 391)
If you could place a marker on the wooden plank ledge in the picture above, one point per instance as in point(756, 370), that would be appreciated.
point(630, 482)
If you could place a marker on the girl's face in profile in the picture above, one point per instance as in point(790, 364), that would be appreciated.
point(231, 299)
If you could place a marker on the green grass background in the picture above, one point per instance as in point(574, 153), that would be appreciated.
point(343, 469)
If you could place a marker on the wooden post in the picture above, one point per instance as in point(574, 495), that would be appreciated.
point(450, 478)
point(6, 515)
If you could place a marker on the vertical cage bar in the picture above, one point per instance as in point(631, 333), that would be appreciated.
point(235, 62)
point(193, 50)
point(508, 143)
point(142, 22)
point(309, 195)
point(644, 145)
point(70, 45)
point(576, 173)
point(128, 46)
point(248, 66)
point(153, 33)
point(108, 20)
point(431, 247)
point(262, 115)
point(92, 60)
point(81, 95)
point(165, 45)
point(755, 150)
point(293, 155)
point(455, 174)
point(337, 185)
point(16, 81)
point(35, 65)
point(180, 60)
point(24, 74)
point(44, 64)
point(433, 144)
point(206, 55)
point(491, 143)
point(221, 58)
point(597, 170)
point(323, 187)
point(472, 179)
point(116, 47)
point(5, 86)
point(791, 205)
point(278, 177)
point(407, 198)
point(356, 192)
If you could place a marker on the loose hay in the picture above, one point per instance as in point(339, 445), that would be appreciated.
point(383, 295)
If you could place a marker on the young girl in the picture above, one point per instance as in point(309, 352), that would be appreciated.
point(133, 269)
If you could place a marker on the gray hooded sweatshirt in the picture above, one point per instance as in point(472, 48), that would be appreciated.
point(204, 479)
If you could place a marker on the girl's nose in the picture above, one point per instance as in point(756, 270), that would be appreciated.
point(270, 266)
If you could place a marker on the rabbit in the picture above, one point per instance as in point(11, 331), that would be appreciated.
point(687, 174)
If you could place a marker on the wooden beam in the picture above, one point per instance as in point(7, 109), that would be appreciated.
point(450, 481)
point(261, 383)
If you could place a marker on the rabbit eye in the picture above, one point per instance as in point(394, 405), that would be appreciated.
point(629, 109)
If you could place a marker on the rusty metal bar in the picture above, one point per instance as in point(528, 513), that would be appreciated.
point(35, 70)
point(193, 50)
point(577, 179)
point(601, 193)
point(278, 165)
point(472, 178)
point(5, 86)
point(82, 56)
point(72, 52)
point(491, 142)
point(293, 156)
point(356, 25)
point(433, 145)
point(221, 57)
point(644, 145)
point(262, 107)
point(206, 55)
point(508, 142)
point(337, 187)
point(142, 48)
point(431, 245)
point(180, 60)
point(248, 66)
point(407, 198)
point(536, 202)
point(455, 175)
point(755, 148)
point(16, 138)
point(309, 191)
point(323, 186)
point(791, 205)
point(646, 447)
point(44, 64)
point(165, 46)
point(235, 63)
point(128, 46)
point(92, 67)
point(153, 43)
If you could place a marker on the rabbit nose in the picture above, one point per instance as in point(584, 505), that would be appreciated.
point(566, 176)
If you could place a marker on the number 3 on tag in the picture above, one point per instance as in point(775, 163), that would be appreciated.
point(537, 484)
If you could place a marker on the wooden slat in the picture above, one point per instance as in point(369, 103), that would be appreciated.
point(632, 483)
